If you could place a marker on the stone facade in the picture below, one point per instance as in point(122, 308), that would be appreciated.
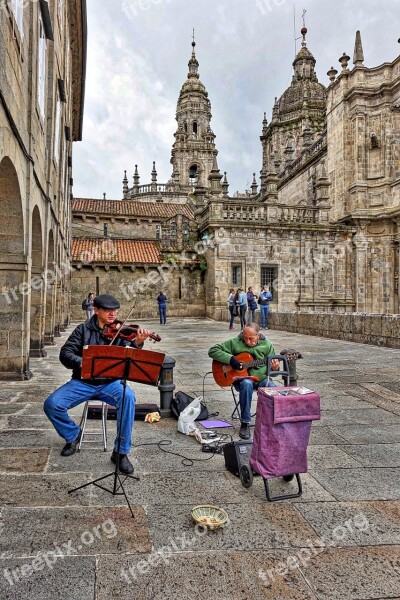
point(322, 230)
point(42, 72)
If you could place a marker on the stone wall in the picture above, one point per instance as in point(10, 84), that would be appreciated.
point(139, 287)
point(363, 328)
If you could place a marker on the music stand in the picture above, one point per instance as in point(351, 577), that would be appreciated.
point(126, 364)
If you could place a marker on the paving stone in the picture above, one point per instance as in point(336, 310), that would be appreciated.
point(366, 416)
point(367, 434)
point(10, 409)
point(360, 484)
point(212, 575)
point(325, 436)
point(19, 438)
point(355, 573)
point(27, 532)
point(328, 457)
point(197, 487)
point(29, 422)
point(9, 394)
point(43, 490)
point(375, 455)
point(19, 460)
point(354, 523)
point(69, 578)
point(261, 526)
point(345, 455)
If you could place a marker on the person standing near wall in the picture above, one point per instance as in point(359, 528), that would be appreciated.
point(88, 305)
point(162, 307)
point(251, 305)
point(241, 304)
point(232, 307)
point(263, 300)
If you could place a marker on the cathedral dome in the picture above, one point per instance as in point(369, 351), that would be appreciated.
point(304, 88)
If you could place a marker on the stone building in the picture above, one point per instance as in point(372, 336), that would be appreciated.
point(42, 79)
point(322, 230)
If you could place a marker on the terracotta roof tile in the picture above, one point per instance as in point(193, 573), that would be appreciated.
point(131, 208)
point(100, 250)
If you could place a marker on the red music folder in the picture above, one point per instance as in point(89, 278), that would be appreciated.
point(110, 362)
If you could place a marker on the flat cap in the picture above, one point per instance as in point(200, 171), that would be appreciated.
point(106, 301)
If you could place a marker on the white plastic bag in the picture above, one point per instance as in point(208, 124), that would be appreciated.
point(188, 416)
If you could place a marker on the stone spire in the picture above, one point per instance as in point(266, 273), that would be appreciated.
point(136, 179)
point(194, 149)
point(154, 178)
point(254, 185)
point(358, 56)
point(125, 187)
point(225, 185)
point(215, 178)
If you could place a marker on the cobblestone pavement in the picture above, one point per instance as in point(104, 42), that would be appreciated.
point(339, 540)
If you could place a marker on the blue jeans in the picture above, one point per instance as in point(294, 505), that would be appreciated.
point(163, 313)
point(75, 392)
point(245, 387)
point(264, 315)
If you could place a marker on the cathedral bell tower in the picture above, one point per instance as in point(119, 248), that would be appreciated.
point(193, 151)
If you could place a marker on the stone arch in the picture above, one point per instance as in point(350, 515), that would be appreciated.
point(37, 308)
point(14, 348)
point(194, 172)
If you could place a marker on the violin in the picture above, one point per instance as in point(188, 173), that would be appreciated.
point(125, 331)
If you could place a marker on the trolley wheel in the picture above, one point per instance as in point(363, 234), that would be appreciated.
point(288, 477)
point(246, 476)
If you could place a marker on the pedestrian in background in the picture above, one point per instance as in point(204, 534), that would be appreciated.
point(241, 304)
point(88, 306)
point(263, 300)
point(251, 305)
point(162, 307)
point(232, 307)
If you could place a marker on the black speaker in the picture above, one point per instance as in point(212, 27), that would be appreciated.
point(237, 454)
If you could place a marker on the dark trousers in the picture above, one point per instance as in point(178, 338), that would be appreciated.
point(242, 314)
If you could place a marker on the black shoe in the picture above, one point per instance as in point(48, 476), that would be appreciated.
point(70, 447)
point(125, 465)
point(244, 431)
point(288, 477)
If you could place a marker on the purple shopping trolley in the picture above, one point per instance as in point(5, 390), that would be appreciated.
point(281, 434)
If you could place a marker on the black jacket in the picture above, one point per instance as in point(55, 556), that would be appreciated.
point(86, 334)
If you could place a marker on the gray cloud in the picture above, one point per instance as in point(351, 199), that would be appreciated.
point(137, 62)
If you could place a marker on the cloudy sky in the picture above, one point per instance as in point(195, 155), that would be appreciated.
point(138, 52)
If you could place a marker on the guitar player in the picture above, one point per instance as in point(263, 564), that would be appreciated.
point(252, 342)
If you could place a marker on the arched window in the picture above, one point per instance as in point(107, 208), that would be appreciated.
point(195, 127)
point(185, 127)
point(193, 174)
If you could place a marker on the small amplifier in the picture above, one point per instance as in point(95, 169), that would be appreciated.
point(237, 454)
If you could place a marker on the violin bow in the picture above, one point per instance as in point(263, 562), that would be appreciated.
point(122, 324)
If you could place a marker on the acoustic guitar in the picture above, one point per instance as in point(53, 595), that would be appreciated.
point(225, 374)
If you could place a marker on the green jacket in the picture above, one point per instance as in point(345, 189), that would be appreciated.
point(223, 352)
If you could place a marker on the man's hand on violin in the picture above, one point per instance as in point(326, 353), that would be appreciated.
point(142, 335)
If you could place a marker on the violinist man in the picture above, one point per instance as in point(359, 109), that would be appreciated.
point(77, 390)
